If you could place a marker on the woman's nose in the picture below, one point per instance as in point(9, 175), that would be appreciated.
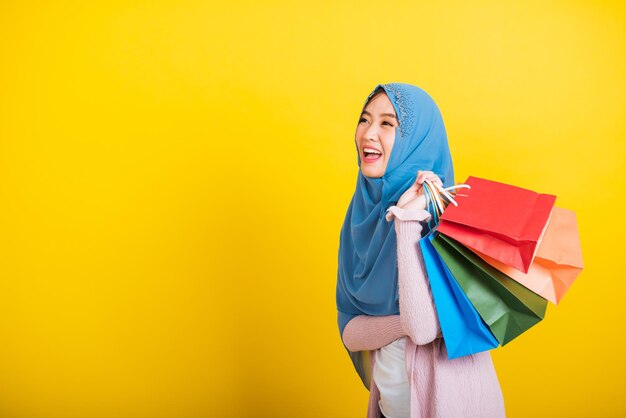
point(371, 132)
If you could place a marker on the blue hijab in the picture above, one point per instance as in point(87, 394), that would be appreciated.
point(367, 277)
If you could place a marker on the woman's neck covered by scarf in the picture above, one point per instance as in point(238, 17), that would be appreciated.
point(367, 275)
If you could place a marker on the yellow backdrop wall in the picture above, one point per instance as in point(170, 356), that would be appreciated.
point(174, 176)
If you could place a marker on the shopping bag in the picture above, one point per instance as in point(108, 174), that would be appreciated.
point(464, 332)
point(507, 307)
point(499, 220)
point(557, 263)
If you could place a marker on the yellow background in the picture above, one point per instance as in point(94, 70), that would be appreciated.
point(174, 176)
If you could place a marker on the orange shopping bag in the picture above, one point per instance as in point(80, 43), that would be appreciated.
point(558, 260)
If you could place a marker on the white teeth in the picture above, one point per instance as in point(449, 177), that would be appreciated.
point(371, 151)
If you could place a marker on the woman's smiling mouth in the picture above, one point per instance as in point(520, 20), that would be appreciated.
point(371, 154)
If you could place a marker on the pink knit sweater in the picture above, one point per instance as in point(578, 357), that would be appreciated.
point(463, 387)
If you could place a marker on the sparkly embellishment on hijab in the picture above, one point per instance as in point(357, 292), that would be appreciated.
point(405, 104)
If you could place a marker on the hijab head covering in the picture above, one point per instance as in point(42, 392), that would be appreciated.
point(367, 276)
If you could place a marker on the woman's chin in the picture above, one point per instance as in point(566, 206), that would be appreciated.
point(372, 172)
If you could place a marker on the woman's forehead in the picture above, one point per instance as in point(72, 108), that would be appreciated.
point(380, 105)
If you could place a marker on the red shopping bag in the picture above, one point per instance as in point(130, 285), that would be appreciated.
point(502, 221)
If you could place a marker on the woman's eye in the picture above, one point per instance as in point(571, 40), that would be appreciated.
point(365, 120)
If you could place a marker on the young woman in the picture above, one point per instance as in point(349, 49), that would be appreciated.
point(386, 316)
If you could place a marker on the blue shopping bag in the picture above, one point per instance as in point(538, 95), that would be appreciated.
point(464, 331)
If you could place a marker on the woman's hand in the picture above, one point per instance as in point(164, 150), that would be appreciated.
point(413, 197)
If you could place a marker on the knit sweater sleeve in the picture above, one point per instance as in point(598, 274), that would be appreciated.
point(418, 315)
point(367, 332)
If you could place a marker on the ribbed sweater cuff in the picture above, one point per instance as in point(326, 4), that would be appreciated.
point(396, 212)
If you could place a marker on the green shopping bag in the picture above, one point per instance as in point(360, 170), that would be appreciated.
point(507, 307)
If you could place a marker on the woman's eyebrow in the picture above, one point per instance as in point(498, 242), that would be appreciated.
point(382, 114)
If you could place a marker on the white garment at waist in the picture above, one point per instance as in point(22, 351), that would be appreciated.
point(392, 380)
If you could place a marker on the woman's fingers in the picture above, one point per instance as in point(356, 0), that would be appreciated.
point(436, 180)
point(421, 176)
point(415, 190)
point(428, 175)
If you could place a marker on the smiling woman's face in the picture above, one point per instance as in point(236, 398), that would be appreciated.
point(376, 131)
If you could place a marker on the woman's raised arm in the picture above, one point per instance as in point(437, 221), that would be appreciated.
point(418, 315)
